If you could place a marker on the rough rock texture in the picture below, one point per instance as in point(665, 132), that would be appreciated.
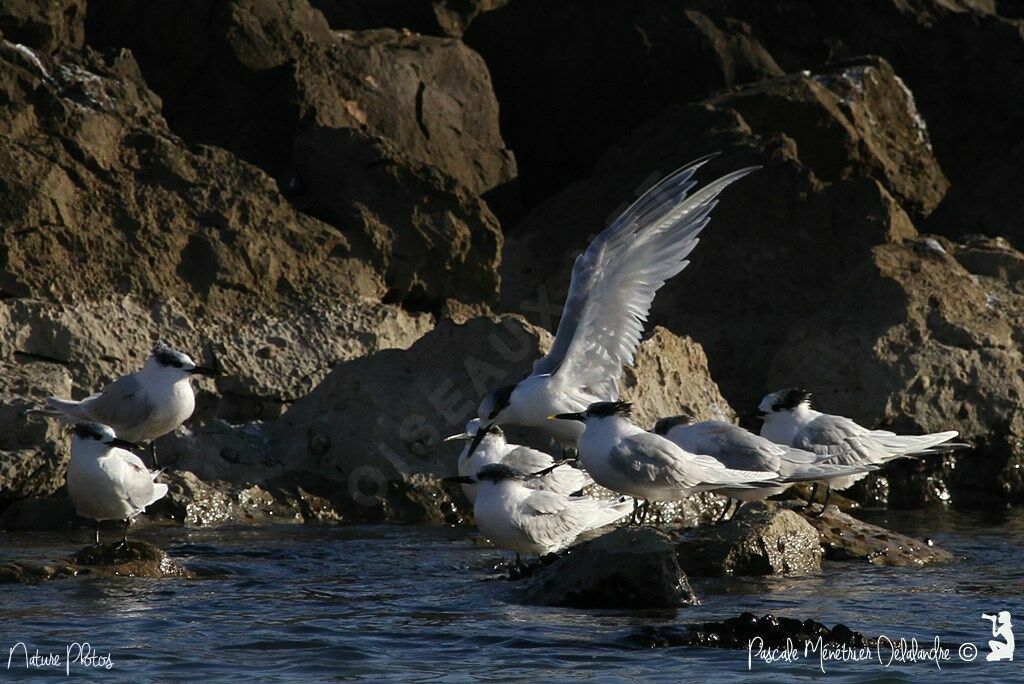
point(760, 540)
point(939, 347)
point(432, 17)
point(198, 503)
point(627, 568)
point(250, 75)
point(39, 514)
point(844, 538)
point(740, 631)
point(47, 25)
point(572, 77)
point(427, 234)
point(138, 559)
point(781, 237)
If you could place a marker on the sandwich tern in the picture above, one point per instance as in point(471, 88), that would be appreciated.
point(789, 419)
point(560, 478)
point(144, 405)
point(610, 293)
point(107, 482)
point(627, 459)
point(532, 521)
point(741, 449)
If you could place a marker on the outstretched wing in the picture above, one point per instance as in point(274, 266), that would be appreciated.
point(632, 259)
point(585, 269)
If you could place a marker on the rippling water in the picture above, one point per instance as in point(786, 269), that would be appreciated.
point(423, 603)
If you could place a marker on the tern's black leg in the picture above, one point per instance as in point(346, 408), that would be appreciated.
point(124, 538)
point(152, 453)
point(645, 508)
point(739, 505)
point(812, 497)
point(828, 493)
point(725, 511)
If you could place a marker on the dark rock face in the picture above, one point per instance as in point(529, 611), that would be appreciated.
point(760, 540)
point(938, 348)
point(742, 630)
point(431, 17)
point(430, 237)
point(47, 26)
point(252, 75)
point(571, 77)
point(626, 568)
point(780, 237)
point(844, 538)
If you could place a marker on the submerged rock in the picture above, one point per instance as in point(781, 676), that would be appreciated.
point(136, 559)
point(627, 568)
point(762, 539)
point(845, 538)
point(739, 631)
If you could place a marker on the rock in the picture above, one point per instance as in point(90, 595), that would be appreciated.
point(250, 76)
point(768, 632)
point(430, 238)
point(844, 538)
point(33, 451)
point(760, 264)
point(626, 568)
point(137, 559)
point(48, 26)
point(671, 376)
point(938, 349)
point(431, 17)
point(375, 422)
point(760, 540)
point(572, 77)
point(39, 514)
point(197, 503)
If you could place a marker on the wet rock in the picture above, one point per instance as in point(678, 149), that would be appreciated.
point(425, 232)
point(761, 539)
point(740, 631)
point(251, 75)
point(198, 503)
point(38, 514)
point(626, 568)
point(564, 73)
point(844, 538)
point(938, 349)
point(820, 199)
point(136, 559)
point(49, 26)
point(431, 17)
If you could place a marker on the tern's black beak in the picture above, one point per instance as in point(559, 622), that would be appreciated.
point(462, 479)
point(582, 417)
point(481, 432)
point(123, 444)
point(205, 370)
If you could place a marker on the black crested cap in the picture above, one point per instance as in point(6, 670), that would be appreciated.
point(88, 431)
point(791, 398)
point(665, 424)
point(166, 356)
point(502, 397)
point(610, 408)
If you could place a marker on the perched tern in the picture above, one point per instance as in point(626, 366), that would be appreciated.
point(789, 419)
point(144, 405)
point(741, 449)
point(625, 458)
point(532, 521)
point(561, 478)
point(107, 482)
point(613, 284)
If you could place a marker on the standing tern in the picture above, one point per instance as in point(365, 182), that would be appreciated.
point(561, 478)
point(144, 405)
point(627, 459)
point(741, 449)
point(789, 419)
point(532, 521)
point(107, 482)
point(612, 287)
